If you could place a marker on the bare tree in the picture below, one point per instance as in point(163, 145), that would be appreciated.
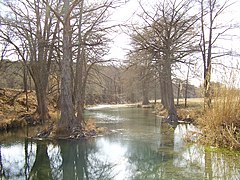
point(91, 43)
point(169, 37)
point(82, 36)
point(210, 13)
point(34, 28)
point(141, 61)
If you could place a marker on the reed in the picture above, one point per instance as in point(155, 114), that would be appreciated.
point(221, 123)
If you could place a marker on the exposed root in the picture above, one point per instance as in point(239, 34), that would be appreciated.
point(89, 130)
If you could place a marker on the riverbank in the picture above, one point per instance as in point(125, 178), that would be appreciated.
point(15, 111)
point(219, 125)
point(189, 114)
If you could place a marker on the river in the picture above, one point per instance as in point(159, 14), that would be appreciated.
point(140, 146)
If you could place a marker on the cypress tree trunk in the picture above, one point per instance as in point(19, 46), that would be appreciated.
point(145, 93)
point(40, 78)
point(163, 91)
point(25, 84)
point(172, 113)
point(42, 108)
point(67, 120)
point(79, 87)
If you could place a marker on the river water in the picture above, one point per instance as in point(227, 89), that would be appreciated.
point(139, 147)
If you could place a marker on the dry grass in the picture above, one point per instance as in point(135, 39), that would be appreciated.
point(221, 123)
point(90, 126)
point(13, 108)
point(193, 111)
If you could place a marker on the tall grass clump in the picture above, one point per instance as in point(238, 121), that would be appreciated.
point(220, 123)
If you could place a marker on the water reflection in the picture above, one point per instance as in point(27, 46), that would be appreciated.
point(81, 160)
point(146, 149)
point(181, 132)
point(115, 154)
point(196, 158)
point(16, 160)
point(105, 159)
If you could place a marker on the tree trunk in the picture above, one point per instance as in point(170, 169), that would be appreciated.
point(145, 99)
point(172, 113)
point(162, 85)
point(79, 87)
point(67, 120)
point(145, 93)
point(42, 108)
point(162, 90)
point(186, 88)
point(41, 81)
point(25, 84)
point(207, 89)
point(178, 92)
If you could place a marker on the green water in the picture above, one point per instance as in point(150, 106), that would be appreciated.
point(139, 147)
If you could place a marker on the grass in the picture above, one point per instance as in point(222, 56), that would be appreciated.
point(13, 108)
point(193, 111)
point(221, 123)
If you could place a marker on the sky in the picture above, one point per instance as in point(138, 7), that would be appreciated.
point(129, 13)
